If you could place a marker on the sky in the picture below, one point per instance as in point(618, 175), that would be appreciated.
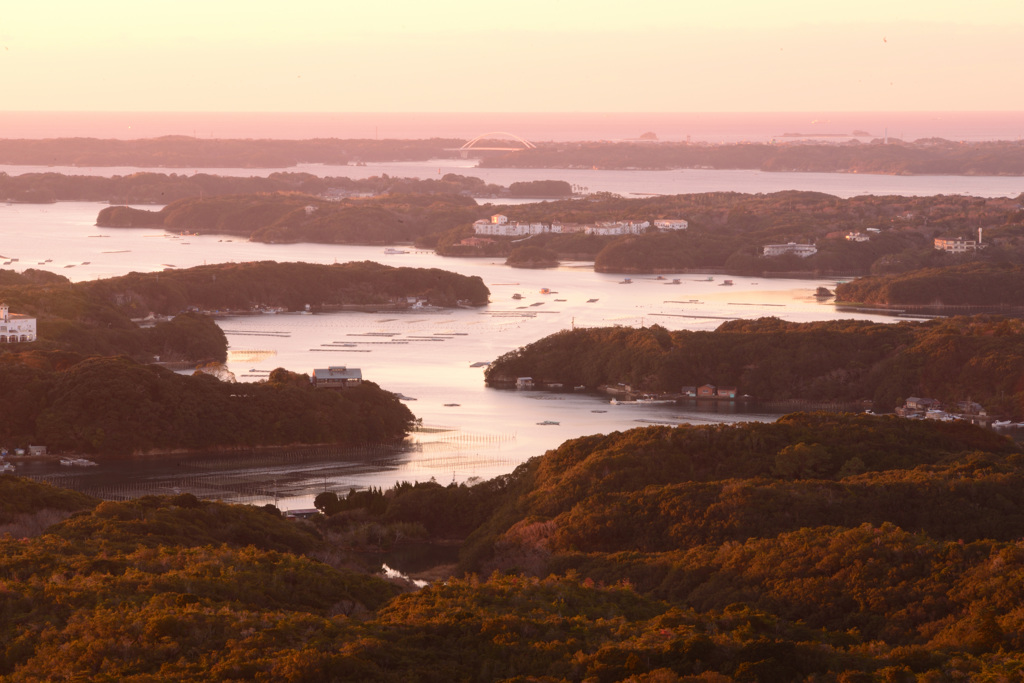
point(511, 56)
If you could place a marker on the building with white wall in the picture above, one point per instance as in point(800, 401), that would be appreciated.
point(801, 250)
point(499, 225)
point(506, 229)
point(955, 245)
point(15, 327)
point(618, 228)
point(671, 224)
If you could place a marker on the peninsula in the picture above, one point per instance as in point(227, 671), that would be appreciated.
point(967, 359)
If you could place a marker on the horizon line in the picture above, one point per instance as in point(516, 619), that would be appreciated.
point(547, 113)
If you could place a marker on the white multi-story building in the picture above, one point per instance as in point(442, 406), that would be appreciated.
point(671, 224)
point(506, 229)
point(15, 327)
point(955, 245)
point(500, 225)
point(618, 228)
point(801, 250)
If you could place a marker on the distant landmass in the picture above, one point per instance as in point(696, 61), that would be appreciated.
point(890, 156)
point(930, 156)
point(854, 134)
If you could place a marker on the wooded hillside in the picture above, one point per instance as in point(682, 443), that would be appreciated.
point(981, 284)
point(818, 548)
point(114, 406)
point(977, 358)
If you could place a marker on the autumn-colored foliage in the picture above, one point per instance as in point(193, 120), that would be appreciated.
point(709, 553)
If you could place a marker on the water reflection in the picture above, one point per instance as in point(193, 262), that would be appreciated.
point(436, 357)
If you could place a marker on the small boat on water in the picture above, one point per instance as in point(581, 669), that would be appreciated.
point(451, 405)
point(545, 290)
point(517, 296)
point(626, 281)
point(392, 250)
point(646, 401)
point(548, 422)
point(675, 281)
point(6, 466)
point(591, 301)
point(725, 283)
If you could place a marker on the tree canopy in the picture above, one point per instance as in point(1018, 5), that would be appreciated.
point(749, 552)
point(955, 359)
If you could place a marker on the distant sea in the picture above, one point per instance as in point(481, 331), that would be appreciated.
point(539, 127)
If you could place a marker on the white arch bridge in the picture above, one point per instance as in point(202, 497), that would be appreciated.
point(485, 143)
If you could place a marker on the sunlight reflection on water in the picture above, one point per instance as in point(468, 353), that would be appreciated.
point(426, 355)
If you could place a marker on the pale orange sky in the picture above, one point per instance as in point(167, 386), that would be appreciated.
point(524, 56)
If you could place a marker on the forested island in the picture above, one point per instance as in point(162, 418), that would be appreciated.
point(146, 187)
point(928, 156)
point(104, 406)
point(291, 217)
point(244, 287)
point(819, 547)
point(727, 230)
point(978, 359)
point(181, 151)
point(98, 317)
point(88, 383)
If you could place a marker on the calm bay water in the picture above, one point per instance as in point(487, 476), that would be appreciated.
point(470, 431)
point(473, 431)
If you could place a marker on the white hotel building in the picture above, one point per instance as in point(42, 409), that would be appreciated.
point(801, 250)
point(499, 225)
point(15, 327)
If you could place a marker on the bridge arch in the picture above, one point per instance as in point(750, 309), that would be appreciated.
point(525, 143)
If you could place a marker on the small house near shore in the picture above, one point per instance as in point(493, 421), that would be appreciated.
point(337, 377)
point(713, 391)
